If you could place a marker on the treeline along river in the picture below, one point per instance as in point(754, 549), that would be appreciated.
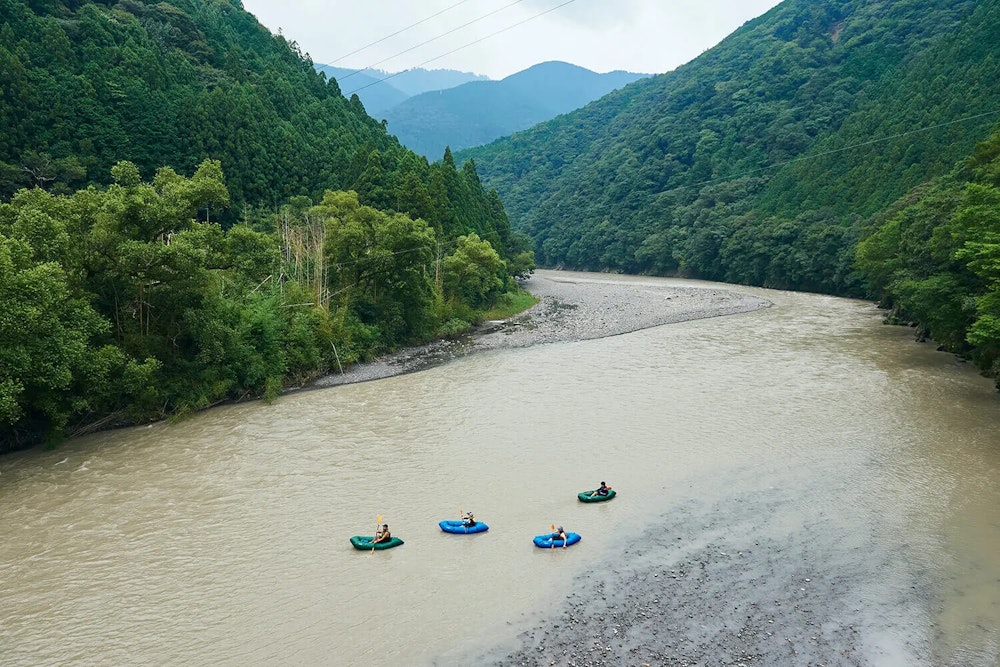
point(801, 477)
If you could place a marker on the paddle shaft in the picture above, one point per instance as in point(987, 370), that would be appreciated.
point(378, 524)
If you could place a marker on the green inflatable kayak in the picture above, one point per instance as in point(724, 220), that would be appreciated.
point(364, 542)
point(586, 496)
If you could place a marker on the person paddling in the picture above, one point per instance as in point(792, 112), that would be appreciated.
point(560, 534)
point(602, 490)
point(468, 520)
point(382, 534)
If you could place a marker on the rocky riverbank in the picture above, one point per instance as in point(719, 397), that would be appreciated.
point(711, 585)
point(572, 306)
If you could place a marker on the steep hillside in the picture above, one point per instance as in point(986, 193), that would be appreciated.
point(479, 112)
point(87, 85)
point(756, 162)
point(191, 214)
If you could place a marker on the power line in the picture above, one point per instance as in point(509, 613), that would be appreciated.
point(432, 39)
point(398, 32)
point(441, 245)
point(464, 46)
point(836, 150)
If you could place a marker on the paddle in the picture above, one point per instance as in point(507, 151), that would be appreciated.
point(378, 524)
point(552, 542)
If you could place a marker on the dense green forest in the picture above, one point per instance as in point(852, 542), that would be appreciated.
point(934, 257)
point(192, 214)
point(768, 157)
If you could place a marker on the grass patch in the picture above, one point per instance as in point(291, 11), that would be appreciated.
point(511, 304)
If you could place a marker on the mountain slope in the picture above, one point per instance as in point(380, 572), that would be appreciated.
point(376, 95)
point(304, 238)
point(419, 80)
point(697, 171)
point(170, 84)
point(381, 90)
point(476, 113)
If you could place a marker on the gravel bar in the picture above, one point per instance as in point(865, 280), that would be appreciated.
point(572, 306)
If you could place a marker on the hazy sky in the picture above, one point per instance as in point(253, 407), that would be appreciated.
point(649, 36)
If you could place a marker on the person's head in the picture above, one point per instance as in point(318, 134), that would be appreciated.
point(559, 529)
point(603, 484)
point(385, 526)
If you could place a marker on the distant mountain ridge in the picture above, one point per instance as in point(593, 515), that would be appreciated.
point(380, 90)
point(478, 112)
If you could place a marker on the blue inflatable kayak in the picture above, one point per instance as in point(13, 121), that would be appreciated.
point(461, 528)
point(549, 541)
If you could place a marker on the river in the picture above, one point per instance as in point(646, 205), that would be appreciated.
point(864, 463)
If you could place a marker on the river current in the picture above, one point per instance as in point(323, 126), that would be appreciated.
point(223, 539)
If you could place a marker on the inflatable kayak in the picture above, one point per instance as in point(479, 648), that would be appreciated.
point(363, 542)
point(549, 540)
point(587, 498)
point(461, 528)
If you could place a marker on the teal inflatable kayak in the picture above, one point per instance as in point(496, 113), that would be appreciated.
point(363, 542)
point(585, 496)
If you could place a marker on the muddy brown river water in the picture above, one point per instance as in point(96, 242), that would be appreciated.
point(796, 485)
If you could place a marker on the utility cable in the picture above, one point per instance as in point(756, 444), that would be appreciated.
point(432, 39)
point(445, 245)
point(398, 32)
point(838, 150)
point(464, 46)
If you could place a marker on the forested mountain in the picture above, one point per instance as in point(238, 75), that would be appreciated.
point(419, 80)
point(479, 112)
point(193, 214)
point(380, 90)
point(757, 162)
point(768, 158)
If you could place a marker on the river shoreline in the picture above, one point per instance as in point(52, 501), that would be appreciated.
point(572, 306)
point(706, 585)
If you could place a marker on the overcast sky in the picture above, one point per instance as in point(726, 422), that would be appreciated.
point(650, 36)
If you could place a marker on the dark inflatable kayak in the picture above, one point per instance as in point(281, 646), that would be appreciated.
point(549, 541)
point(461, 528)
point(363, 542)
point(587, 498)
